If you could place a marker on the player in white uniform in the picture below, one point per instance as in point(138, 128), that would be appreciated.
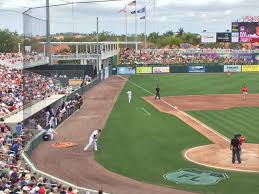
point(93, 140)
point(129, 95)
point(51, 133)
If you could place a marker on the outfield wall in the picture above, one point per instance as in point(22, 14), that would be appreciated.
point(133, 70)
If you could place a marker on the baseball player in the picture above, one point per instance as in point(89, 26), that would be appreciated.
point(93, 140)
point(51, 132)
point(244, 92)
point(157, 93)
point(129, 95)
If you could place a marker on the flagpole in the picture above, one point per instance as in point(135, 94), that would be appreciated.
point(145, 27)
point(136, 26)
point(126, 18)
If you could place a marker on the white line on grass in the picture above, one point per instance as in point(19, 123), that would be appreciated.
point(174, 107)
point(148, 113)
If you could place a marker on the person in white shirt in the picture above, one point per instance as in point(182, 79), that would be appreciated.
point(129, 95)
point(93, 140)
point(51, 133)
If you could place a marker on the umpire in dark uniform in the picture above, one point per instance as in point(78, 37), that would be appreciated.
point(236, 148)
point(157, 93)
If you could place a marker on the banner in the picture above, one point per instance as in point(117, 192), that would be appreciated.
point(106, 72)
point(141, 70)
point(224, 37)
point(126, 70)
point(232, 68)
point(208, 37)
point(196, 69)
point(250, 68)
point(161, 70)
point(235, 37)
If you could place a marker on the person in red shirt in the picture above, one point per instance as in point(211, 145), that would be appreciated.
point(241, 139)
point(244, 92)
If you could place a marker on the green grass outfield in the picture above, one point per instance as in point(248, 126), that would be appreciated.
point(145, 147)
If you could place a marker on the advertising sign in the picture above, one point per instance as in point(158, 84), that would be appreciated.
point(196, 69)
point(106, 72)
point(126, 70)
point(142, 70)
point(250, 68)
point(161, 70)
point(208, 37)
point(232, 68)
point(248, 31)
point(235, 27)
point(235, 37)
point(224, 37)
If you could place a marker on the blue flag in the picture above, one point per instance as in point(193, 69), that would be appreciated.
point(141, 10)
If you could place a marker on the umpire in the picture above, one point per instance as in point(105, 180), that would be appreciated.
point(236, 148)
point(157, 93)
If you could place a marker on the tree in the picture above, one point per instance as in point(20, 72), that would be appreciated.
point(9, 41)
point(153, 37)
point(169, 33)
point(180, 32)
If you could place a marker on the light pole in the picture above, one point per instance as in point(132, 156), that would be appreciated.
point(97, 43)
point(48, 46)
point(19, 47)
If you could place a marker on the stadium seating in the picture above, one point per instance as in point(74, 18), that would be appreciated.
point(19, 87)
point(185, 56)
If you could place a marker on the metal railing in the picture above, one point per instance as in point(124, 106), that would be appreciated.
point(79, 56)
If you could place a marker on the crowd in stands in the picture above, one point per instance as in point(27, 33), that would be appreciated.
point(160, 56)
point(18, 60)
point(19, 88)
point(15, 177)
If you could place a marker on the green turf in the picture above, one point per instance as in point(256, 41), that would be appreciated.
point(233, 121)
point(146, 147)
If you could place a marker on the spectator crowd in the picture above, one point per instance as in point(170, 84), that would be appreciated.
point(185, 56)
point(18, 60)
point(15, 177)
point(19, 88)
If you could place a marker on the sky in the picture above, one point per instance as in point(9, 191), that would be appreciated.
point(162, 15)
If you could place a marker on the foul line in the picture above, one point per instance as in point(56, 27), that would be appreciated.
point(174, 107)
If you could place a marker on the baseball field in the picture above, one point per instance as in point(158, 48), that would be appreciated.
point(143, 143)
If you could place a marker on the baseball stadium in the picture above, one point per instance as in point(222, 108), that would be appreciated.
point(107, 97)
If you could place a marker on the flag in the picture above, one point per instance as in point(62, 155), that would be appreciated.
point(141, 10)
point(132, 3)
point(123, 10)
point(143, 17)
point(133, 12)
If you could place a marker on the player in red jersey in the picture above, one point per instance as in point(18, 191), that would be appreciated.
point(244, 92)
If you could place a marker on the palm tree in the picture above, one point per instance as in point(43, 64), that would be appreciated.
point(180, 32)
